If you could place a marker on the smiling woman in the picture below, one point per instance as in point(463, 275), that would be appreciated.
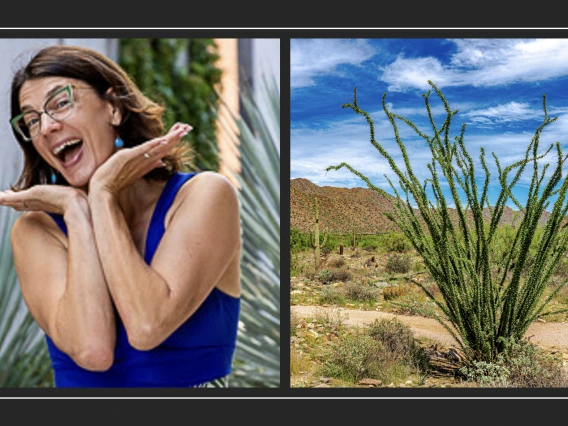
point(130, 266)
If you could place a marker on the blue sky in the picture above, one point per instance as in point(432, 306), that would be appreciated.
point(497, 85)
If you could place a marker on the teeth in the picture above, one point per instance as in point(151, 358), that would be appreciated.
point(61, 147)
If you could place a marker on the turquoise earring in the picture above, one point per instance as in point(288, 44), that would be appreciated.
point(118, 143)
point(53, 178)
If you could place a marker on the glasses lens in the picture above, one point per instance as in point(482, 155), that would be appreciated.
point(28, 124)
point(60, 105)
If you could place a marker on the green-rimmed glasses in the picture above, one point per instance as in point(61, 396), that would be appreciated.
point(59, 106)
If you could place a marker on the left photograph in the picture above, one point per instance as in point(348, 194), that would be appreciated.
point(139, 213)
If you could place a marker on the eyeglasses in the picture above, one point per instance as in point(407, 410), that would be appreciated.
point(59, 106)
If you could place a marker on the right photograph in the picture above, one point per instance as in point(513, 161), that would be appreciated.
point(428, 213)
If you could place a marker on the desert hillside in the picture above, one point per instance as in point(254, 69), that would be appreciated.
point(342, 209)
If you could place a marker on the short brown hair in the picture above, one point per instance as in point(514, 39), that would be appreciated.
point(141, 117)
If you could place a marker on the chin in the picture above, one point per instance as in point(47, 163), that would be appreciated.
point(81, 181)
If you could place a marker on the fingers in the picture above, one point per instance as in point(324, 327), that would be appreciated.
point(158, 148)
point(19, 201)
point(178, 126)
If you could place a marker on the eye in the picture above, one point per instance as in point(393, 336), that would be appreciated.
point(61, 103)
point(32, 121)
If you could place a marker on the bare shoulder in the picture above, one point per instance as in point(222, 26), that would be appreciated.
point(207, 181)
point(31, 225)
point(207, 186)
point(209, 192)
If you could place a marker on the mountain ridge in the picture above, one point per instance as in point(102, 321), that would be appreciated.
point(342, 210)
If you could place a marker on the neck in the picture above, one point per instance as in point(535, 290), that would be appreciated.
point(135, 200)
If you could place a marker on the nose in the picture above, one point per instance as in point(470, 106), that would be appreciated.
point(49, 124)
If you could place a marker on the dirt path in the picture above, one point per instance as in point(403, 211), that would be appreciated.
point(546, 335)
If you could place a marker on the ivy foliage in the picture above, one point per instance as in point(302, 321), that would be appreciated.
point(180, 74)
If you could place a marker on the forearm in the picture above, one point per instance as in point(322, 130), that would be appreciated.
point(140, 295)
point(84, 319)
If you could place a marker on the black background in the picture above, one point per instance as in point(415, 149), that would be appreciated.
point(283, 21)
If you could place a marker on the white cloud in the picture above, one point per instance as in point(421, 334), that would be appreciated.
point(483, 62)
point(414, 73)
point(310, 58)
point(510, 112)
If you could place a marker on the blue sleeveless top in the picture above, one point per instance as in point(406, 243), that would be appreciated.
point(200, 350)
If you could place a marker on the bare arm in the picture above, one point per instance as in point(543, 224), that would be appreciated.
point(201, 240)
point(61, 278)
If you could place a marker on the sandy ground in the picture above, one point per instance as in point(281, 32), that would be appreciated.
point(543, 334)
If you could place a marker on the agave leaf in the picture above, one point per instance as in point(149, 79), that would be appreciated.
point(257, 357)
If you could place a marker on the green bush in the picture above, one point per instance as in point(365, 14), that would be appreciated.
point(299, 241)
point(340, 275)
point(331, 295)
point(398, 264)
point(397, 338)
point(353, 358)
point(360, 291)
point(521, 365)
point(325, 276)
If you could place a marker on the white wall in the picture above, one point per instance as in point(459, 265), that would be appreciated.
point(266, 62)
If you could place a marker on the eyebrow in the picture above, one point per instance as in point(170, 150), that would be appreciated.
point(50, 92)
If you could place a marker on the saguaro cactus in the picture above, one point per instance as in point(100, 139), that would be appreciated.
point(316, 239)
point(353, 234)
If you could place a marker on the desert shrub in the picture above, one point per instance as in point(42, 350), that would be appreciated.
point(332, 243)
point(337, 262)
point(399, 342)
point(325, 276)
point(396, 242)
point(532, 367)
point(398, 263)
point(521, 365)
point(331, 295)
point(394, 292)
point(370, 248)
point(299, 241)
point(352, 357)
point(486, 374)
point(330, 317)
point(360, 291)
point(364, 355)
point(340, 275)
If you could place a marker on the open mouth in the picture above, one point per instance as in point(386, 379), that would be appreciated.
point(68, 152)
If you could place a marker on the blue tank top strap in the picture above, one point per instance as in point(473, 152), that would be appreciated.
point(156, 229)
point(60, 222)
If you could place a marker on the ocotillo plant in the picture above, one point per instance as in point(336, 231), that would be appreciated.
point(316, 239)
point(482, 306)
